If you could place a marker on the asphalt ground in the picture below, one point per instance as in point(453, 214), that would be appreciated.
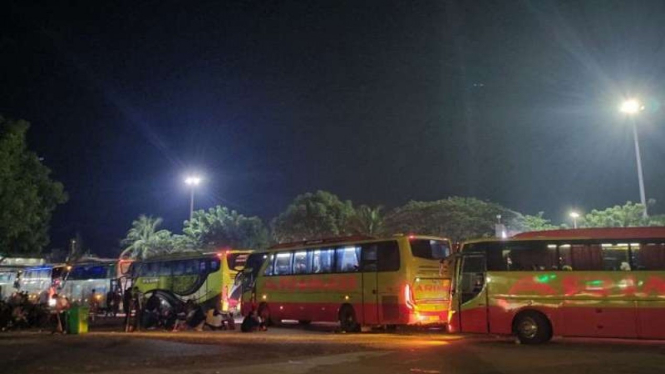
point(317, 349)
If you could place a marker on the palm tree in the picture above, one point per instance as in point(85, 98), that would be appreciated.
point(144, 240)
point(368, 221)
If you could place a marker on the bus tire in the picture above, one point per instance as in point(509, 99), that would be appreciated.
point(532, 327)
point(264, 313)
point(347, 319)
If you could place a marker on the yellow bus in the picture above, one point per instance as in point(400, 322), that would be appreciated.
point(586, 282)
point(354, 281)
point(206, 278)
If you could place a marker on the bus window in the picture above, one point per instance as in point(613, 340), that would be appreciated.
point(565, 256)
point(165, 268)
point(302, 262)
point(388, 256)
point(282, 264)
point(214, 264)
point(322, 260)
point(178, 268)
point(430, 249)
point(615, 257)
point(270, 266)
point(530, 256)
point(649, 256)
point(348, 259)
point(586, 257)
point(237, 261)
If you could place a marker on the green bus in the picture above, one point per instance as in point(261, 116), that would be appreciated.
point(206, 278)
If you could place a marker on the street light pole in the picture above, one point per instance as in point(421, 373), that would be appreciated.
point(192, 182)
point(640, 176)
point(632, 107)
point(574, 216)
point(191, 203)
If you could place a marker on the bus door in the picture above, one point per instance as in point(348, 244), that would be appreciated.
point(470, 298)
point(370, 285)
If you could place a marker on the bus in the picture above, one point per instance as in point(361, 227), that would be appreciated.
point(100, 276)
point(10, 272)
point(206, 278)
point(354, 281)
point(584, 282)
point(35, 280)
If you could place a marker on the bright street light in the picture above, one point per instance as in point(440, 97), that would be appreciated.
point(192, 181)
point(574, 216)
point(631, 108)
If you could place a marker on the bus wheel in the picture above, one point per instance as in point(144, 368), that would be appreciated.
point(264, 313)
point(347, 319)
point(304, 322)
point(532, 328)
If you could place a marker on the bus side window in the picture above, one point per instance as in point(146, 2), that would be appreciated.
point(270, 261)
point(648, 256)
point(322, 261)
point(302, 262)
point(615, 257)
point(165, 268)
point(388, 256)
point(369, 257)
point(565, 257)
point(347, 259)
point(586, 257)
point(179, 268)
point(530, 256)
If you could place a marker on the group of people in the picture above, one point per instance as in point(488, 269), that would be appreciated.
point(17, 312)
point(151, 313)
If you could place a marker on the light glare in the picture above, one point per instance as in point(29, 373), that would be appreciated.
point(193, 180)
point(631, 106)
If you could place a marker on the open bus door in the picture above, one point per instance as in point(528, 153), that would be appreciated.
point(470, 298)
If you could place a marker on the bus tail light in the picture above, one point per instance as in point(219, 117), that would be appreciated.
point(408, 297)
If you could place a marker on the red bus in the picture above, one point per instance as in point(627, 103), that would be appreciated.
point(584, 282)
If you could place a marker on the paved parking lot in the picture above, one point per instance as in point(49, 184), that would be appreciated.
point(319, 349)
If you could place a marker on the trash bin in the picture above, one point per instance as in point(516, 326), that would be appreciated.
point(77, 320)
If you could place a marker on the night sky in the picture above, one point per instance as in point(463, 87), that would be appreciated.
point(379, 102)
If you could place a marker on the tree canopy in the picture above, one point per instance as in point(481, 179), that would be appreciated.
point(457, 218)
point(144, 239)
point(221, 227)
point(313, 216)
point(627, 215)
point(367, 221)
point(534, 223)
point(28, 195)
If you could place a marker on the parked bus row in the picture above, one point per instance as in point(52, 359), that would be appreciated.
point(583, 282)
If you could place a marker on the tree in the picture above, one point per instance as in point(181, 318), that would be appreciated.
point(143, 240)
point(28, 196)
point(221, 227)
point(367, 221)
point(313, 216)
point(535, 223)
point(627, 215)
point(457, 218)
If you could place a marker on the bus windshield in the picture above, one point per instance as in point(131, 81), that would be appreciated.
point(89, 272)
point(430, 249)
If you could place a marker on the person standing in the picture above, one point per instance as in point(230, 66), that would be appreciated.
point(93, 303)
point(137, 306)
point(127, 306)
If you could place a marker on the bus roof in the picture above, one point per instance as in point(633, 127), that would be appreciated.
point(347, 239)
point(194, 255)
point(597, 233)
